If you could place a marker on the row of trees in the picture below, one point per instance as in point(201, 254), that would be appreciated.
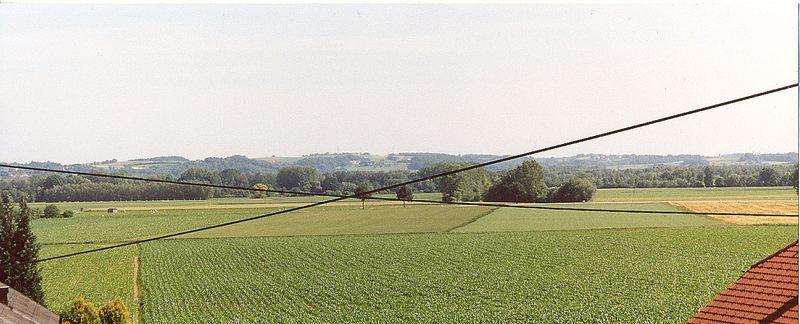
point(681, 177)
point(469, 186)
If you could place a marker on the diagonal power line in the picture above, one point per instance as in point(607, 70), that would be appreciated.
point(463, 203)
point(549, 148)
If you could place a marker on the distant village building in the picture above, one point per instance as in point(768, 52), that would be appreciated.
point(112, 210)
point(766, 293)
point(17, 309)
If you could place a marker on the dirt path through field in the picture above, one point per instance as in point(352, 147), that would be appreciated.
point(136, 298)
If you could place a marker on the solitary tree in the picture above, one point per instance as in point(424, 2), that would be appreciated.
point(360, 193)
point(404, 193)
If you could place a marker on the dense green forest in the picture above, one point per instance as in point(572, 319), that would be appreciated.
point(469, 186)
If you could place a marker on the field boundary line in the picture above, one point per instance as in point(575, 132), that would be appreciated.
point(479, 216)
point(681, 207)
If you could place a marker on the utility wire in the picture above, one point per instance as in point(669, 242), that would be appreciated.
point(581, 140)
point(483, 204)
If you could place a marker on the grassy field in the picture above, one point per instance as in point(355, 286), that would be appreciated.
point(644, 275)
point(510, 219)
point(674, 194)
point(220, 203)
point(101, 227)
point(173, 204)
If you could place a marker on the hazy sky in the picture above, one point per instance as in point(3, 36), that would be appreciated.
point(82, 83)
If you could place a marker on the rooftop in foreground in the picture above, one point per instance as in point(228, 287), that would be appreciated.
point(766, 293)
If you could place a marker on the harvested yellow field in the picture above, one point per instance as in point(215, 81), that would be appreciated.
point(756, 220)
point(788, 207)
point(681, 198)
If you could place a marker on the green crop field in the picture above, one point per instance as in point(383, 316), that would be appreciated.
point(510, 219)
point(426, 262)
point(99, 276)
point(354, 220)
point(645, 275)
point(765, 193)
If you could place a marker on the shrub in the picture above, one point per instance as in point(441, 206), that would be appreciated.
point(67, 214)
point(574, 190)
point(51, 211)
point(81, 312)
point(114, 312)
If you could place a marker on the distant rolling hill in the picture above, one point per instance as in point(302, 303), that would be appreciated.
point(329, 162)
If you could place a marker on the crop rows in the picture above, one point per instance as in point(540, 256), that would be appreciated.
point(510, 219)
point(99, 277)
point(643, 275)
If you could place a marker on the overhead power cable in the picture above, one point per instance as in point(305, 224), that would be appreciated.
point(573, 142)
point(463, 203)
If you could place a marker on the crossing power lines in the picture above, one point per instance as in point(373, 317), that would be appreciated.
point(480, 165)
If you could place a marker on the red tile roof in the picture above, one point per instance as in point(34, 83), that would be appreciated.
point(767, 293)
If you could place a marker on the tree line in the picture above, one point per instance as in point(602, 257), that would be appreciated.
point(682, 176)
point(473, 185)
